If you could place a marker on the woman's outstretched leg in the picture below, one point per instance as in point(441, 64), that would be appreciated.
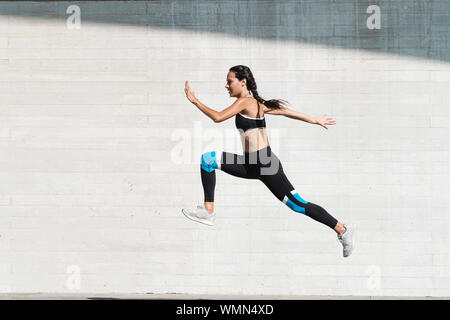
point(293, 200)
point(280, 186)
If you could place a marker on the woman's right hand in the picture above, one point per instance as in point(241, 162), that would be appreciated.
point(324, 121)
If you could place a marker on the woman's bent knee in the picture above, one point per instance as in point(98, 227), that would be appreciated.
point(210, 160)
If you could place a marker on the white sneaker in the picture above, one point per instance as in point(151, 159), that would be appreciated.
point(348, 240)
point(200, 215)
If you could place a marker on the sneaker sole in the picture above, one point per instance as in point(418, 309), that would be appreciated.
point(353, 232)
point(208, 223)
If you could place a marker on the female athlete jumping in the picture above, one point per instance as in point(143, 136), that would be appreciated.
point(258, 160)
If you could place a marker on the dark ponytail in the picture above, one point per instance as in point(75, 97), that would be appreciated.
point(243, 72)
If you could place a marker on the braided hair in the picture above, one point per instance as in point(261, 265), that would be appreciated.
point(243, 72)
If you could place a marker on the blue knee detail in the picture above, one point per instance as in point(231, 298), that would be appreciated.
point(295, 207)
point(208, 161)
point(297, 197)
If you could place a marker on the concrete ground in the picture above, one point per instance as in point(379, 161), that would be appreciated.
point(150, 296)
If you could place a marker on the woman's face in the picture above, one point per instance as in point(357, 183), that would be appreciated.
point(234, 85)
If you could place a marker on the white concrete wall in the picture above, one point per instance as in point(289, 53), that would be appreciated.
point(92, 178)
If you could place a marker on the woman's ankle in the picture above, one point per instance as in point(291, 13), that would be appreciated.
point(339, 228)
point(209, 206)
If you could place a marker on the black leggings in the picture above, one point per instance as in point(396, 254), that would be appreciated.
point(265, 166)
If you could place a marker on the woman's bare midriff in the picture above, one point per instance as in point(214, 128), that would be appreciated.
point(254, 139)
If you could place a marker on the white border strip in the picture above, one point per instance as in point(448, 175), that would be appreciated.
point(250, 117)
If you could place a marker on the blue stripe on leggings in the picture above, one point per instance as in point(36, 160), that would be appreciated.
point(297, 196)
point(295, 207)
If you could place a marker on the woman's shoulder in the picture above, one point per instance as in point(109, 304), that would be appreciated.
point(253, 109)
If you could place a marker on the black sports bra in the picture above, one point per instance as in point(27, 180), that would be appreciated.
point(245, 123)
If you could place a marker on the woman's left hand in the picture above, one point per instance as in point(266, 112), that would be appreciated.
point(324, 121)
point(189, 94)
